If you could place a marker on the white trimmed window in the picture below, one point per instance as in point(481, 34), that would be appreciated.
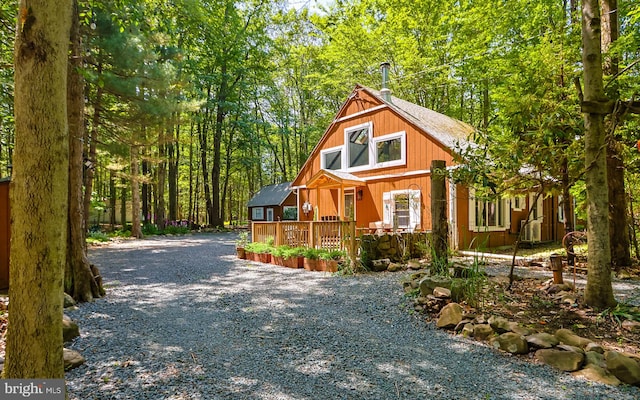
point(358, 146)
point(257, 213)
point(402, 209)
point(488, 214)
point(331, 159)
point(390, 150)
point(518, 203)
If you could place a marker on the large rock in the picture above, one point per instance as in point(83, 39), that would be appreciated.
point(562, 360)
point(595, 347)
point(542, 340)
point(380, 265)
point(597, 374)
point(624, 368)
point(482, 331)
point(72, 359)
point(70, 329)
point(68, 301)
point(511, 343)
point(450, 316)
point(442, 293)
point(428, 283)
point(595, 358)
point(467, 330)
point(567, 336)
point(500, 324)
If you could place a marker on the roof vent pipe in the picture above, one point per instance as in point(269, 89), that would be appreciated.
point(385, 92)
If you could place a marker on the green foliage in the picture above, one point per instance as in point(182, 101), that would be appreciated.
point(312, 253)
point(243, 239)
point(290, 252)
point(621, 312)
point(258, 247)
point(150, 230)
point(97, 237)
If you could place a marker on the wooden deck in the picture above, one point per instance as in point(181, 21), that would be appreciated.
point(328, 235)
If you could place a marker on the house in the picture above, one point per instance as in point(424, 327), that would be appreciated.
point(274, 203)
point(372, 166)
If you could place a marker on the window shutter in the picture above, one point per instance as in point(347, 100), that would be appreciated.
point(414, 209)
point(387, 207)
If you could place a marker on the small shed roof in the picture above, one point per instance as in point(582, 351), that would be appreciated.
point(272, 195)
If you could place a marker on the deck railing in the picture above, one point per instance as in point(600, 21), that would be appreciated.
point(328, 235)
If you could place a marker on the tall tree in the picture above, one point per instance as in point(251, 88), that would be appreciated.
point(39, 193)
point(598, 292)
point(79, 280)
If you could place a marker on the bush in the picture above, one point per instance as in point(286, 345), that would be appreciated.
point(176, 230)
point(150, 229)
point(97, 237)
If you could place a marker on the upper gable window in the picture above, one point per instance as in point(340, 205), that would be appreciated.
point(331, 158)
point(390, 150)
point(358, 140)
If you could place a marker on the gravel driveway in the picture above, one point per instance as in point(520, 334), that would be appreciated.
point(184, 319)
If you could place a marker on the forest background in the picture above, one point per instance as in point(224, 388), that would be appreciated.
point(192, 106)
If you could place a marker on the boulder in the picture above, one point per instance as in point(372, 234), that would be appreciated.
point(594, 358)
point(70, 329)
point(595, 347)
point(68, 301)
point(450, 316)
point(511, 343)
point(442, 293)
point(380, 265)
point(467, 330)
point(428, 283)
point(72, 359)
point(482, 331)
point(542, 340)
point(562, 360)
point(566, 336)
point(500, 324)
point(566, 347)
point(624, 368)
point(521, 330)
point(395, 267)
point(597, 374)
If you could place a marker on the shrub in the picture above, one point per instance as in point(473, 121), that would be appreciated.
point(97, 237)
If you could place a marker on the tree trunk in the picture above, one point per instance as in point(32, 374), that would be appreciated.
point(161, 217)
point(205, 173)
point(90, 148)
point(136, 230)
point(79, 281)
point(39, 191)
point(618, 232)
point(598, 292)
point(173, 150)
point(112, 199)
point(439, 211)
point(123, 203)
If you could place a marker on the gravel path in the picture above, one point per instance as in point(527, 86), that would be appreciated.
point(184, 319)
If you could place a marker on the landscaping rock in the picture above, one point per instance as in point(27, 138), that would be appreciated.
point(70, 329)
point(428, 283)
point(594, 358)
point(562, 360)
point(442, 293)
point(566, 336)
point(414, 264)
point(511, 343)
point(482, 331)
point(542, 340)
point(395, 267)
point(624, 368)
point(380, 265)
point(594, 347)
point(467, 330)
point(72, 359)
point(500, 324)
point(68, 301)
point(566, 347)
point(597, 374)
point(450, 316)
point(521, 330)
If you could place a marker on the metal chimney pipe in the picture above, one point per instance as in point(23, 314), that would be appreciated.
point(385, 92)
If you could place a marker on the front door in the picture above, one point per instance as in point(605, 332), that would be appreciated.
point(269, 214)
